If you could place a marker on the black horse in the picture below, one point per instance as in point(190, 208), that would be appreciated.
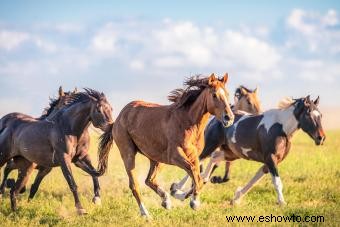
point(53, 142)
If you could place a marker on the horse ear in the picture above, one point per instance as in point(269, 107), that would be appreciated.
point(317, 100)
point(307, 100)
point(225, 78)
point(75, 90)
point(61, 92)
point(256, 89)
point(243, 91)
point(212, 79)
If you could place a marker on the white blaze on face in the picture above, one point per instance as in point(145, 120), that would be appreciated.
point(221, 93)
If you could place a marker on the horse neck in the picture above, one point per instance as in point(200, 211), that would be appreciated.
point(198, 111)
point(288, 120)
point(77, 117)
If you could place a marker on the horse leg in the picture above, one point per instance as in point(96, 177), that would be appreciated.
point(9, 167)
point(24, 174)
point(216, 157)
point(178, 187)
point(65, 164)
point(86, 164)
point(150, 181)
point(272, 166)
point(240, 192)
point(128, 151)
point(40, 176)
point(218, 179)
point(193, 170)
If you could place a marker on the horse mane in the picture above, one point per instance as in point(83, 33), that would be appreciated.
point(286, 102)
point(48, 110)
point(183, 97)
point(238, 90)
point(83, 97)
point(75, 98)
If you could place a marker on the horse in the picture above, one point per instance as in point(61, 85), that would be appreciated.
point(81, 159)
point(53, 143)
point(266, 138)
point(169, 134)
point(11, 119)
point(244, 100)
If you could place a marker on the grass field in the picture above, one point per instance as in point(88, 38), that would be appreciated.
point(310, 175)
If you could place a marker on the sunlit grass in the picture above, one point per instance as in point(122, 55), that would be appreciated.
point(310, 175)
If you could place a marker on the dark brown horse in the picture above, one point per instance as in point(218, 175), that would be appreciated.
point(266, 138)
point(81, 158)
point(53, 143)
point(244, 100)
point(11, 120)
point(171, 134)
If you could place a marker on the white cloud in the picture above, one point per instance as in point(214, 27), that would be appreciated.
point(137, 65)
point(11, 39)
point(105, 40)
point(319, 33)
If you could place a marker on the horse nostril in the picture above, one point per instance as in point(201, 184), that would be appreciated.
point(319, 138)
point(226, 118)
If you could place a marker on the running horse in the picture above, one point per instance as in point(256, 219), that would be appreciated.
point(266, 138)
point(81, 159)
point(244, 100)
point(11, 120)
point(53, 143)
point(170, 134)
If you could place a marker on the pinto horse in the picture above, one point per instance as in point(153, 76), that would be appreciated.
point(53, 143)
point(171, 134)
point(244, 100)
point(266, 138)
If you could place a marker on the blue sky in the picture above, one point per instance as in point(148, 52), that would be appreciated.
point(144, 49)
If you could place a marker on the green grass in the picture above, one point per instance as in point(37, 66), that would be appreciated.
point(310, 175)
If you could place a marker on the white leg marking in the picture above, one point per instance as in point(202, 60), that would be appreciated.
point(278, 187)
point(143, 211)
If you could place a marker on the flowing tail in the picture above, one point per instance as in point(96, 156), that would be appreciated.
point(105, 144)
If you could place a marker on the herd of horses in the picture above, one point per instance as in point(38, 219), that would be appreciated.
point(199, 123)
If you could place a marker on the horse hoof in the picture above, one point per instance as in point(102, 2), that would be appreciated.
point(97, 201)
point(237, 197)
point(166, 204)
point(282, 203)
point(194, 204)
point(235, 202)
point(178, 194)
point(82, 211)
point(174, 187)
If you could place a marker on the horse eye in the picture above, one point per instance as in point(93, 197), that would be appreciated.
point(214, 95)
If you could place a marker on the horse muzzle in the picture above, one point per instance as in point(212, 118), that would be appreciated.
point(227, 120)
point(320, 140)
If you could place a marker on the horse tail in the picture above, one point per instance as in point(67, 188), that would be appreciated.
point(105, 144)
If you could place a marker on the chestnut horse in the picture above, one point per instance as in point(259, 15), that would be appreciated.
point(244, 100)
point(171, 134)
